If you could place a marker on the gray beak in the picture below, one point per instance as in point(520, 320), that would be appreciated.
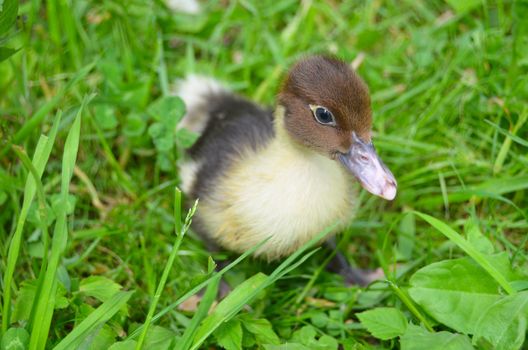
point(363, 162)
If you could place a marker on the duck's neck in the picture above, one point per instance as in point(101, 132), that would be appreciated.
point(279, 126)
point(284, 152)
point(283, 138)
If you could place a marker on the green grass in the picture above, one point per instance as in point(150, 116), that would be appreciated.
point(91, 250)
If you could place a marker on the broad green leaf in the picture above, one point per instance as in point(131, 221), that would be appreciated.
point(229, 335)
point(248, 340)
point(476, 238)
point(186, 138)
point(160, 338)
point(99, 287)
point(162, 136)
point(34, 216)
point(24, 300)
point(15, 339)
point(384, 322)
point(168, 110)
point(418, 338)
point(165, 161)
point(307, 337)
point(482, 260)
point(36, 249)
point(123, 345)
point(503, 324)
point(64, 278)
point(326, 342)
point(6, 52)
point(134, 95)
point(320, 320)
point(104, 115)
point(101, 339)
point(455, 292)
point(8, 15)
point(97, 318)
point(406, 234)
point(520, 285)
point(287, 346)
point(262, 330)
point(26, 296)
point(135, 125)
point(57, 204)
point(61, 301)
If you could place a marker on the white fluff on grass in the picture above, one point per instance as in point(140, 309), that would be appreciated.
point(186, 6)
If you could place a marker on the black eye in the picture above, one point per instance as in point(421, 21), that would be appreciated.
point(323, 115)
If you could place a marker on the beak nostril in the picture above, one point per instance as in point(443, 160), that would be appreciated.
point(363, 162)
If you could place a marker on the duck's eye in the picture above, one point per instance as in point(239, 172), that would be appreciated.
point(323, 115)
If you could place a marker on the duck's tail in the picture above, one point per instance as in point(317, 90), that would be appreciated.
point(196, 91)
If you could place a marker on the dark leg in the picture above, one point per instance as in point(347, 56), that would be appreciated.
point(224, 289)
point(353, 276)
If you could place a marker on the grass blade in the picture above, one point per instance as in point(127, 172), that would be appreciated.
point(250, 288)
point(53, 21)
point(506, 133)
point(410, 305)
point(42, 212)
point(506, 145)
point(40, 159)
point(98, 317)
point(229, 307)
point(200, 314)
point(198, 287)
point(41, 113)
point(46, 302)
point(68, 21)
point(124, 178)
point(180, 233)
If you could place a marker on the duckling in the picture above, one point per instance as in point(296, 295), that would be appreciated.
point(287, 174)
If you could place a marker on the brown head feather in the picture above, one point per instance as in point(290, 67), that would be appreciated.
point(331, 83)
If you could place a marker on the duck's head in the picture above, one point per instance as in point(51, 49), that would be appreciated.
point(327, 109)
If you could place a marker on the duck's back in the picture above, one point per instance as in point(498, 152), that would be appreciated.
point(230, 125)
